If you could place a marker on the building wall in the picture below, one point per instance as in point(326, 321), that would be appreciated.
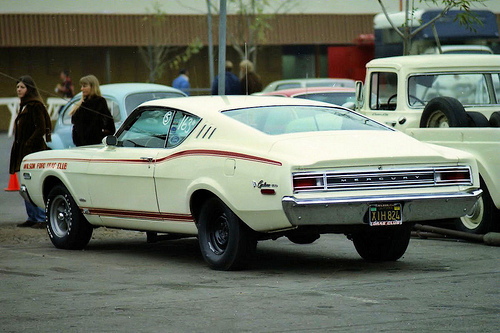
point(45, 63)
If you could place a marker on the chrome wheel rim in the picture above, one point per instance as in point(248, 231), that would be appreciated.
point(60, 216)
point(218, 235)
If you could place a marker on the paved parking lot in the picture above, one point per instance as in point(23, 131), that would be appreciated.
point(120, 283)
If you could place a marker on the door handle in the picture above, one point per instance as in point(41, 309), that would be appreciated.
point(146, 158)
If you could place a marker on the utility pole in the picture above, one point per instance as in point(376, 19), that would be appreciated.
point(222, 47)
point(210, 44)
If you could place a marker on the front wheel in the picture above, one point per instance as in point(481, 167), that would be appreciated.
point(68, 228)
point(485, 217)
point(226, 243)
point(384, 244)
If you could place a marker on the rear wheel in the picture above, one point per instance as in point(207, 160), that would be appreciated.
point(385, 244)
point(226, 243)
point(68, 228)
point(485, 217)
point(444, 112)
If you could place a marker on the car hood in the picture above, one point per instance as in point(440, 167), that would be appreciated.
point(359, 148)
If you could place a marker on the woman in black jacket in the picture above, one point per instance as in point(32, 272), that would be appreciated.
point(32, 129)
point(91, 118)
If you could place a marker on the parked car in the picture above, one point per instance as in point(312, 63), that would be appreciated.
point(233, 170)
point(309, 82)
point(332, 95)
point(122, 99)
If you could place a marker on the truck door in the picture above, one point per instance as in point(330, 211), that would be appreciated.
point(387, 101)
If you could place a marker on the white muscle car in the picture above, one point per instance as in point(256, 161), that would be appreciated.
point(233, 170)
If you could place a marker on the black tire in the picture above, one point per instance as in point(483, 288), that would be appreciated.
point(495, 119)
point(384, 244)
point(444, 112)
point(226, 243)
point(484, 218)
point(477, 119)
point(67, 227)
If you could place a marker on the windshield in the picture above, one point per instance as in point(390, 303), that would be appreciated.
point(156, 127)
point(276, 120)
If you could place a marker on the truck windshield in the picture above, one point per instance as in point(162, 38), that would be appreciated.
point(468, 88)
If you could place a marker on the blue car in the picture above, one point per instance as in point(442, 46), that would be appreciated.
point(122, 99)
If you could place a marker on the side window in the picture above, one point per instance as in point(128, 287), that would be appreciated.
point(383, 89)
point(67, 110)
point(288, 86)
point(182, 125)
point(112, 106)
point(114, 109)
point(496, 86)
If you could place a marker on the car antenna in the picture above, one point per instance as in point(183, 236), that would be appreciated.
point(246, 69)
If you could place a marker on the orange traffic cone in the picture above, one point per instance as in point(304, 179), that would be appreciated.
point(13, 183)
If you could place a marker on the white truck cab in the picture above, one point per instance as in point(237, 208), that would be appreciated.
point(450, 100)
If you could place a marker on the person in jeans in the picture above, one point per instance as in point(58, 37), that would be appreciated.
point(32, 129)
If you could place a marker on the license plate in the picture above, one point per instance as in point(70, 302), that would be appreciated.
point(385, 214)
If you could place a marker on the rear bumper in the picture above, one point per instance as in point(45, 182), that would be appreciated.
point(354, 210)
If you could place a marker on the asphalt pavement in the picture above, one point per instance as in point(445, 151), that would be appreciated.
point(121, 283)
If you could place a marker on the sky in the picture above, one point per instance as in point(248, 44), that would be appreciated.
point(199, 6)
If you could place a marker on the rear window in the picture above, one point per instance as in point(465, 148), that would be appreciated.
point(337, 98)
point(276, 120)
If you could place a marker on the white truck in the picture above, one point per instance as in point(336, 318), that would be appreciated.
point(448, 100)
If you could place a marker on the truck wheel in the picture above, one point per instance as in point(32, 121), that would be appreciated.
point(226, 243)
point(478, 119)
point(68, 228)
point(444, 112)
point(385, 244)
point(495, 119)
point(485, 217)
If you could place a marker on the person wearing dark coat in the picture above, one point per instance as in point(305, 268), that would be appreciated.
point(32, 128)
point(91, 118)
point(233, 85)
point(250, 81)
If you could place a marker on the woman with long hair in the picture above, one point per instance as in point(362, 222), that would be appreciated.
point(32, 129)
point(90, 117)
point(250, 81)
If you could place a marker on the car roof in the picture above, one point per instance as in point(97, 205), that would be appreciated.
point(206, 105)
point(441, 62)
point(272, 86)
point(120, 90)
point(301, 91)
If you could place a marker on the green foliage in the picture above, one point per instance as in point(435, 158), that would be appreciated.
point(157, 56)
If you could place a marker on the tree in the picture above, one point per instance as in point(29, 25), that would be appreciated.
point(156, 55)
point(252, 24)
point(466, 17)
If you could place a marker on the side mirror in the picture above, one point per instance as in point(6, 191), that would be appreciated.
point(359, 94)
point(110, 140)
